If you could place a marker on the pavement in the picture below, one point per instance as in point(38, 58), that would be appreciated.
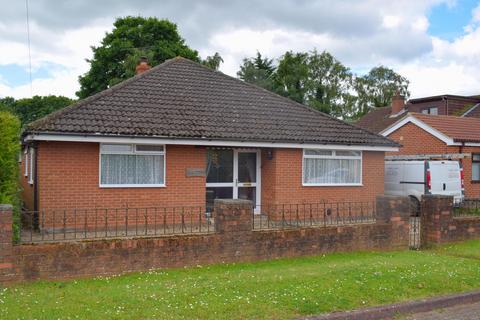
point(460, 312)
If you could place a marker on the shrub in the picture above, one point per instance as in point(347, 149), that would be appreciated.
point(9, 149)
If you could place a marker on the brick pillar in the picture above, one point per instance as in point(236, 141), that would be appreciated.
point(6, 243)
point(395, 211)
point(233, 216)
point(436, 218)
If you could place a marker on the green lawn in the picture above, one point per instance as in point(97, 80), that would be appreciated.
point(279, 289)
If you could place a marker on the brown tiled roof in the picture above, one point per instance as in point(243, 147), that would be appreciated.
point(182, 99)
point(460, 129)
point(378, 119)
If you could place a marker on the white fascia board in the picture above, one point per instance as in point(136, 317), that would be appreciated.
point(199, 142)
point(411, 119)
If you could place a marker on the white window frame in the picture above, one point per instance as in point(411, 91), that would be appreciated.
point(25, 163)
point(30, 174)
point(133, 151)
point(333, 156)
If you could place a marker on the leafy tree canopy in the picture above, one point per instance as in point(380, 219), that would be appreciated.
point(258, 71)
point(31, 109)
point(376, 89)
point(213, 62)
point(322, 82)
point(115, 59)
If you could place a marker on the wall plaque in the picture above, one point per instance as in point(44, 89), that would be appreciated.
point(195, 172)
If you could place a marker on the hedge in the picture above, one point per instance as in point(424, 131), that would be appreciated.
point(9, 152)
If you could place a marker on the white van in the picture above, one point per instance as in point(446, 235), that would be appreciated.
point(416, 178)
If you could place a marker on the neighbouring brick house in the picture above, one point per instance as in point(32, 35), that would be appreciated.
point(441, 137)
point(451, 105)
point(181, 134)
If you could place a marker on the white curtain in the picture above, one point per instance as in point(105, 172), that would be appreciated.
point(132, 169)
point(332, 171)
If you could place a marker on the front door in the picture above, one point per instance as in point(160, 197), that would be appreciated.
point(233, 174)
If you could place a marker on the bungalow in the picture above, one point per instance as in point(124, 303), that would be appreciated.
point(440, 137)
point(183, 134)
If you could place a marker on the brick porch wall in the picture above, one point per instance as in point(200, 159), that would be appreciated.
point(417, 141)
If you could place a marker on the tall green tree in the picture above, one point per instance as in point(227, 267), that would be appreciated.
point(213, 62)
point(376, 89)
point(329, 85)
point(292, 74)
point(31, 109)
point(132, 36)
point(259, 71)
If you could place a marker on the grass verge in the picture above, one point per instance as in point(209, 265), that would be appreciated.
point(279, 289)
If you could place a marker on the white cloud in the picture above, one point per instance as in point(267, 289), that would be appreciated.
point(360, 34)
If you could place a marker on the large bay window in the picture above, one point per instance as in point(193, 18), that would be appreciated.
point(132, 165)
point(332, 167)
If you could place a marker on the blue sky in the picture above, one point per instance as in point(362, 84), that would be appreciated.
point(434, 43)
point(448, 21)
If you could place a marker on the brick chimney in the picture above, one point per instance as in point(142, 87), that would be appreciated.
point(398, 103)
point(142, 66)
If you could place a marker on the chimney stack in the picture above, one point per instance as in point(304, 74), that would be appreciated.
point(142, 66)
point(398, 103)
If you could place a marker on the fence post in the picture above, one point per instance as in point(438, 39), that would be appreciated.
point(6, 243)
point(436, 213)
point(233, 216)
point(394, 211)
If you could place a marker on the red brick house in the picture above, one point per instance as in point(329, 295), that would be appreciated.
point(182, 134)
point(447, 104)
point(441, 137)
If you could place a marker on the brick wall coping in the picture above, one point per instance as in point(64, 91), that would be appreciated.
point(6, 207)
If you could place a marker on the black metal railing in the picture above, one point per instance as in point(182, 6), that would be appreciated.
point(313, 215)
point(76, 224)
point(466, 208)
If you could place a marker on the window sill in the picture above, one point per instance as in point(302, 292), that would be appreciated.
point(106, 186)
point(332, 184)
point(475, 182)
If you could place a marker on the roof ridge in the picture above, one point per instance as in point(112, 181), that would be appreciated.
point(80, 103)
point(285, 98)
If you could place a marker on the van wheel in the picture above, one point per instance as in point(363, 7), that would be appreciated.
point(414, 207)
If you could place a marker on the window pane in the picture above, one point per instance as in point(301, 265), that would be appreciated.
point(434, 111)
point(347, 153)
point(116, 148)
point(247, 167)
point(425, 111)
point(476, 171)
point(476, 156)
point(318, 152)
point(132, 169)
point(219, 166)
point(148, 148)
point(332, 171)
point(218, 193)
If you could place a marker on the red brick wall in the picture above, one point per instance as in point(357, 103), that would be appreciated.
point(282, 180)
point(68, 177)
point(415, 140)
point(233, 241)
